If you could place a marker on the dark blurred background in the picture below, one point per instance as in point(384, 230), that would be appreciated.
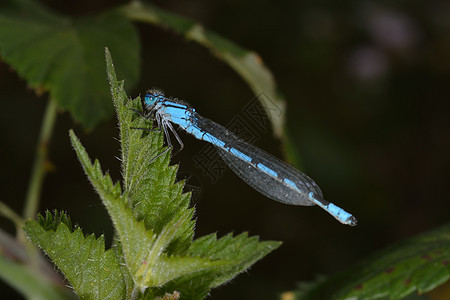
point(367, 87)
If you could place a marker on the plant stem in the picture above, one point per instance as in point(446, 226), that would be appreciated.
point(7, 212)
point(39, 165)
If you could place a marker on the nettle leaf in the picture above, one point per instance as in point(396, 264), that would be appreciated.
point(240, 252)
point(171, 257)
point(149, 181)
point(153, 254)
point(64, 56)
point(241, 249)
point(92, 271)
point(145, 252)
point(52, 221)
point(418, 264)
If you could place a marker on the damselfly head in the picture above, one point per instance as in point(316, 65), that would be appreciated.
point(153, 96)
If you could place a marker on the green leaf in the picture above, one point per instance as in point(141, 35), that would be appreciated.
point(241, 249)
point(92, 271)
point(65, 56)
point(143, 249)
point(150, 185)
point(246, 63)
point(51, 222)
point(149, 181)
point(240, 252)
point(418, 264)
point(153, 253)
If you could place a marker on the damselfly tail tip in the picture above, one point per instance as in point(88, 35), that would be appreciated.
point(351, 221)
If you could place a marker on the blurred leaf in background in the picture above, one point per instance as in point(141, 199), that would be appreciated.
point(416, 265)
point(64, 56)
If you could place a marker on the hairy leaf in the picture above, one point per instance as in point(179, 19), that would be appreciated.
point(92, 271)
point(153, 254)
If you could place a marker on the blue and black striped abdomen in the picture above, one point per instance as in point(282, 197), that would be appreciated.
point(265, 173)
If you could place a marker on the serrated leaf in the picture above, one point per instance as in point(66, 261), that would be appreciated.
point(92, 271)
point(51, 222)
point(418, 264)
point(241, 249)
point(153, 255)
point(144, 250)
point(240, 252)
point(65, 56)
point(149, 181)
